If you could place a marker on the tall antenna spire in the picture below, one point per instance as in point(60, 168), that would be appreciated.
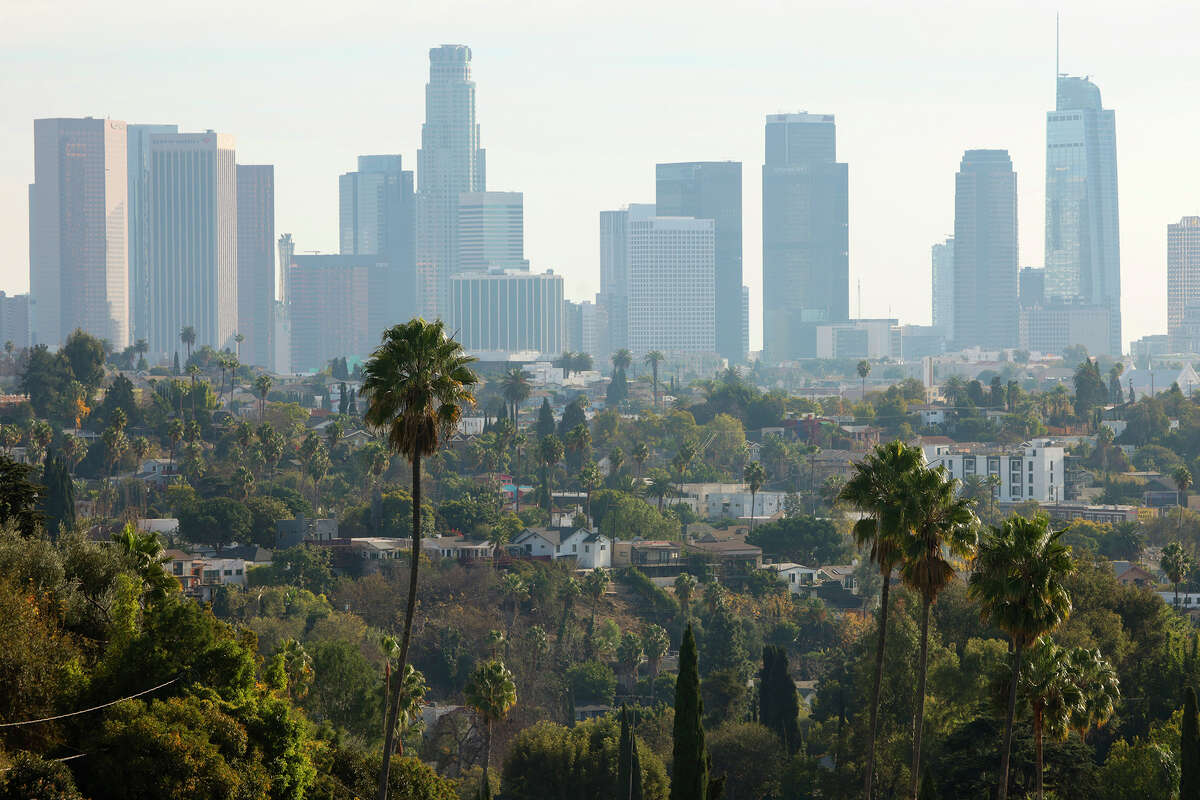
point(1057, 38)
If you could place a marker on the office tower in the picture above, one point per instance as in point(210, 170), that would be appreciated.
point(614, 271)
point(572, 327)
point(745, 319)
point(138, 168)
point(491, 231)
point(1083, 246)
point(671, 299)
point(449, 163)
point(377, 214)
point(596, 333)
point(508, 312)
point(1183, 281)
point(1056, 326)
point(985, 251)
point(943, 287)
point(255, 262)
point(330, 308)
point(712, 190)
point(806, 262)
point(1031, 287)
point(193, 276)
point(287, 250)
point(14, 321)
point(78, 228)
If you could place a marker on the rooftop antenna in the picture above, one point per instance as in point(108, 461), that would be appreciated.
point(1057, 40)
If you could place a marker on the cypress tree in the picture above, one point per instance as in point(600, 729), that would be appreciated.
point(778, 705)
point(545, 423)
point(624, 759)
point(636, 793)
point(1189, 750)
point(175, 364)
point(690, 756)
point(58, 502)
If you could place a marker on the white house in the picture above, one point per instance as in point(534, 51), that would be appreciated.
point(538, 542)
point(595, 551)
point(797, 577)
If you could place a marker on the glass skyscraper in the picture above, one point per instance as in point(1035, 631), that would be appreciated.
point(377, 215)
point(985, 251)
point(1083, 247)
point(806, 250)
point(712, 190)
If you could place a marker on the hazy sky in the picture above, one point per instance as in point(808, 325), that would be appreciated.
point(578, 101)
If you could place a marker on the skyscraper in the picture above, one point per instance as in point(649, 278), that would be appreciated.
point(491, 231)
point(712, 190)
point(256, 262)
point(138, 137)
point(943, 287)
point(671, 296)
point(1083, 246)
point(614, 270)
point(193, 273)
point(1031, 287)
point(78, 228)
point(1183, 281)
point(985, 251)
point(377, 214)
point(449, 163)
point(806, 262)
point(508, 312)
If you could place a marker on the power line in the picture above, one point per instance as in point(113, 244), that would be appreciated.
point(88, 710)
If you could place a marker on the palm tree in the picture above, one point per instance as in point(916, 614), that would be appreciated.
point(1053, 698)
point(864, 369)
point(243, 480)
point(237, 344)
point(232, 364)
point(1018, 582)
point(660, 486)
point(193, 371)
point(622, 359)
point(595, 584)
point(754, 475)
point(175, 434)
point(262, 387)
point(1177, 564)
point(492, 693)
point(876, 489)
point(143, 551)
point(655, 643)
point(416, 383)
point(685, 589)
point(590, 480)
point(297, 667)
point(1183, 479)
point(1101, 689)
point(188, 337)
point(937, 525)
point(515, 388)
point(550, 452)
point(652, 360)
point(640, 453)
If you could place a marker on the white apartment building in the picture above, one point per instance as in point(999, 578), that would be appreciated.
point(729, 500)
point(1032, 471)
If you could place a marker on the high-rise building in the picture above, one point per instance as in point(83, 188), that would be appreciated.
point(138, 168)
point(491, 231)
point(1052, 328)
point(1183, 280)
point(985, 251)
point(256, 262)
point(508, 312)
point(449, 163)
point(14, 321)
point(596, 332)
point(1031, 287)
point(712, 190)
point(806, 261)
point(377, 214)
point(671, 296)
point(1083, 245)
point(193, 276)
point(746, 319)
point(78, 229)
point(330, 308)
point(614, 270)
point(943, 287)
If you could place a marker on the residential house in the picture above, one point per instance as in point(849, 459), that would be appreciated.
point(798, 578)
point(656, 555)
point(1131, 574)
point(595, 550)
point(842, 574)
point(292, 532)
point(538, 542)
point(731, 552)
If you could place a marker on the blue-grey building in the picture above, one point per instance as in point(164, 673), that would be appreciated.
point(1083, 247)
point(806, 229)
point(712, 190)
point(377, 217)
point(985, 251)
point(138, 143)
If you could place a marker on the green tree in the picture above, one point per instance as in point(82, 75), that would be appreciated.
point(640, 453)
point(755, 476)
point(262, 387)
point(689, 753)
point(417, 384)
point(550, 452)
point(515, 388)
point(875, 489)
point(20, 497)
point(491, 693)
point(863, 369)
point(749, 757)
point(1183, 480)
point(545, 420)
point(1018, 583)
point(655, 643)
point(937, 526)
point(1189, 748)
point(778, 703)
point(1046, 686)
point(652, 360)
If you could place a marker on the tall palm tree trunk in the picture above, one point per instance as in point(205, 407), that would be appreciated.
point(919, 716)
point(1037, 741)
point(487, 750)
point(415, 561)
point(883, 614)
point(1008, 723)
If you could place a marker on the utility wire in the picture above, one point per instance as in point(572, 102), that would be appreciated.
point(88, 710)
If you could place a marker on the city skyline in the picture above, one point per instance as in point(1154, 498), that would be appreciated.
point(888, 243)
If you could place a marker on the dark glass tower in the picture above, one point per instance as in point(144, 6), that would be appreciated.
point(985, 251)
point(377, 213)
point(806, 245)
point(712, 190)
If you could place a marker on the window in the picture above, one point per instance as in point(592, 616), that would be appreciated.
point(228, 572)
point(178, 565)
